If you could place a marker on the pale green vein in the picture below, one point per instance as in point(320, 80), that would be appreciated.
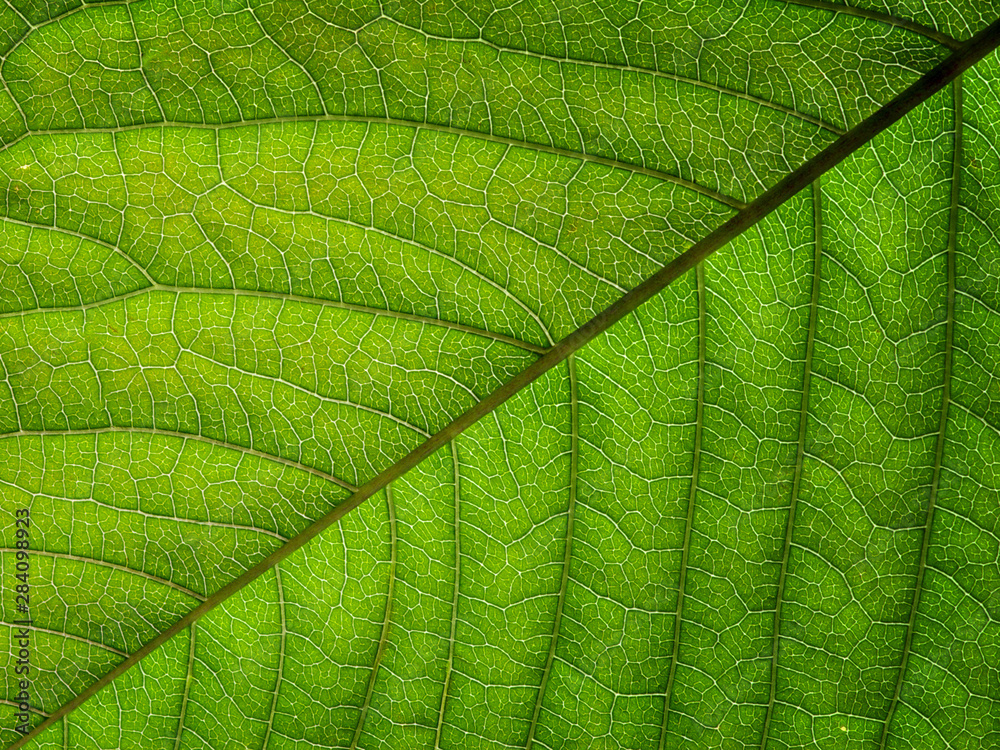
point(454, 597)
point(89, 361)
point(291, 59)
point(873, 15)
point(86, 237)
point(319, 396)
point(16, 705)
point(949, 336)
point(373, 120)
point(692, 493)
point(54, 19)
point(3, 59)
point(70, 636)
point(188, 436)
point(428, 248)
point(114, 566)
point(629, 68)
point(567, 547)
point(75, 308)
point(180, 520)
point(653, 72)
point(606, 684)
point(281, 657)
point(381, 82)
point(383, 640)
point(20, 111)
point(365, 309)
point(406, 240)
point(995, 536)
point(320, 301)
point(142, 68)
point(817, 201)
point(18, 12)
point(188, 679)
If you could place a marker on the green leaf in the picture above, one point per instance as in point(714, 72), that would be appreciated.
point(258, 257)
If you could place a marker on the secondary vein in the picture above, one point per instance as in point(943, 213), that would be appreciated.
point(873, 15)
point(188, 679)
point(449, 666)
point(817, 200)
point(281, 657)
point(548, 148)
point(386, 621)
point(692, 493)
point(187, 436)
point(567, 548)
point(949, 336)
point(114, 566)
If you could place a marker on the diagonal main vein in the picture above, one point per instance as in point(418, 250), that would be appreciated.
point(978, 47)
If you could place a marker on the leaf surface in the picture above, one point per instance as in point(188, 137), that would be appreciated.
point(255, 254)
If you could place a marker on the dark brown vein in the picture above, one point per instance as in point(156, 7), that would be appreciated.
point(800, 451)
point(567, 547)
point(692, 493)
point(949, 337)
point(925, 87)
point(873, 15)
point(383, 640)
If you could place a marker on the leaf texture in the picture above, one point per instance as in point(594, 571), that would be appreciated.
point(256, 253)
